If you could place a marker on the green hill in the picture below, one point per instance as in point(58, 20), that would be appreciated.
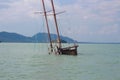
point(39, 37)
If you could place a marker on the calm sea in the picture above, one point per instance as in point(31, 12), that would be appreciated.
point(32, 62)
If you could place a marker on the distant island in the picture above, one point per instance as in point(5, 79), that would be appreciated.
point(99, 42)
point(40, 38)
point(37, 38)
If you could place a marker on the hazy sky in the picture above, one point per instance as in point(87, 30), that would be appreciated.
point(84, 20)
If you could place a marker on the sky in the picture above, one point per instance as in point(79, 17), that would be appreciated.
point(83, 20)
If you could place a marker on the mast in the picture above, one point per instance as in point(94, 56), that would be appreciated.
point(55, 19)
point(46, 19)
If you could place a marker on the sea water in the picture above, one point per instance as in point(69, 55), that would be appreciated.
point(30, 61)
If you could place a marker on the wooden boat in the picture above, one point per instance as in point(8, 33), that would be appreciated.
point(68, 50)
point(57, 49)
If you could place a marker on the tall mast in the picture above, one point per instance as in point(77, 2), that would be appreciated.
point(55, 19)
point(46, 19)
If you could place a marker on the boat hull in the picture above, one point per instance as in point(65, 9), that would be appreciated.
point(68, 50)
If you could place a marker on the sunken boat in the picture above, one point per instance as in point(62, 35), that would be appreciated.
point(57, 49)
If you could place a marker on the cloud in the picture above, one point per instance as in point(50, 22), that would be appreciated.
point(21, 9)
point(91, 18)
point(4, 6)
point(103, 11)
point(82, 17)
point(109, 30)
point(6, 1)
point(17, 11)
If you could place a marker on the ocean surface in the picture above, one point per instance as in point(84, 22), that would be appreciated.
point(31, 61)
